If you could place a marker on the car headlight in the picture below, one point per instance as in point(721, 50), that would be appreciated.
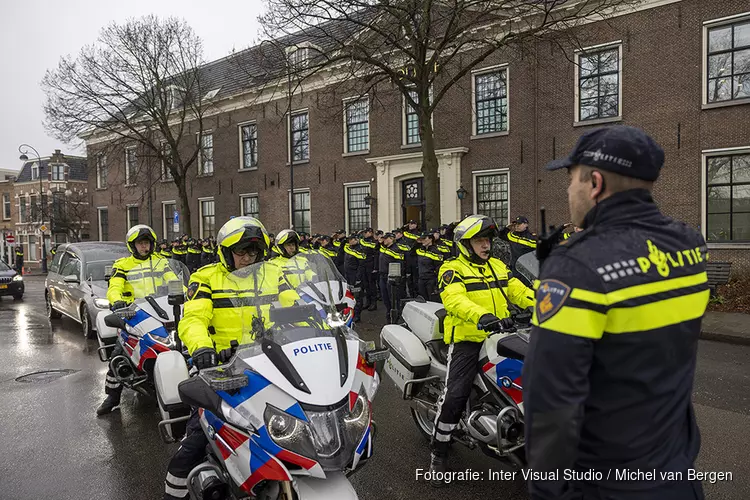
point(17, 277)
point(289, 432)
point(101, 303)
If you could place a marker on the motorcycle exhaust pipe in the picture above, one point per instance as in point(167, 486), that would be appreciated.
point(122, 368)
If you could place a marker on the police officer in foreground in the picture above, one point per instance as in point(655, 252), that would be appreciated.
point(473, 288)
point(609, 373)
point(212, 304)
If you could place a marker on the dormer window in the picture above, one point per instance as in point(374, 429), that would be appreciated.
point(34, 171)
point(298, 57)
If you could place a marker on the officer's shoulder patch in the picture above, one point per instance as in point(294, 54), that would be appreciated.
point(447, 277)
point(192, 289)
point(550, 297)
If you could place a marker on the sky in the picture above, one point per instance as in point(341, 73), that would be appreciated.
point(34, 34)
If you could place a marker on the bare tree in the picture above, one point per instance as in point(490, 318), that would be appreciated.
point(139, 85)
point(421, 47)
point(69, 212)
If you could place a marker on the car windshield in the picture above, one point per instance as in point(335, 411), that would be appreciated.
point(4, 266)
point(97, 270)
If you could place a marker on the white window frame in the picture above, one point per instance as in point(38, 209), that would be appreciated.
point(480, 173)
point(404, 134)
point(127, 165)
point(164, 218)
point(200, 212)
point(576, 90)
point(707, 25)
point(257, 143)
point(99, 222)
point(127, 214)
point(483, 71)
point(201, 171)
point(35, 171)
point(10, 207)
point(166, 174)
point(55, 169)
point(101, 161)
point(298, 56)
point(348, 185)
point(705, 155)
point(346, 102)
point(242, 202)
point(289, 204)
point(289, 136)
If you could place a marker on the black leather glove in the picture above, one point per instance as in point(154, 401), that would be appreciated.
point(488, 323)
point(205, 357)
point(506, 323)
point(119, 304)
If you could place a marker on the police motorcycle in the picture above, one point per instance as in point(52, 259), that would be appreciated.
point(288, 414)
point(145, 329)
point(494, 417)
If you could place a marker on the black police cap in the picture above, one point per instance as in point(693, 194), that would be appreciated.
point(624, 150)
point(522, 220)
point(389, 235)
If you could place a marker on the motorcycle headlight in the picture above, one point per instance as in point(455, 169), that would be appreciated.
point(101, 303)
point(358, 419)
point(17, 277)
point(289, 432)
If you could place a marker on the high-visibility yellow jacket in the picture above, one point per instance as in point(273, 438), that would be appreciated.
point(469, 291)
point(228, 303)
point(135, 278)
point(295, 270)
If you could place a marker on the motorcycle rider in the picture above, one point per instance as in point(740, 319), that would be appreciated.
point(389, 254)
point(429, 261)
point(133, 277)
point(290, 260)
point(521, 240)
point(608, 377)
point(354, 271)
point(241, 242)
point(473, 288)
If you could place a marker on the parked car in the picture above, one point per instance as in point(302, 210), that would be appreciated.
point(76, 283)
point(11, 283)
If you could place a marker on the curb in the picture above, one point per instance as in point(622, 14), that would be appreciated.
point(725, 338)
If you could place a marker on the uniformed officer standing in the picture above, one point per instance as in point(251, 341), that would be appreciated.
point(327, 248)
point(389, 254)
point(193, 259)
point(19, 259)
point(354, 271)
point(179, 252)
point(409, 239)
point(474, 289)
point(372, 249)
point(521, 240)
point(609, 373)
point(429, 261)
point(441, 244)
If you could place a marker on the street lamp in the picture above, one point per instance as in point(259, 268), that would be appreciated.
point(369, 200)
point(23, 149)
point(461, 193)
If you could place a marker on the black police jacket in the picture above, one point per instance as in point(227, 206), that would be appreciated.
point(429, 261)
point(354, 263)
point(609, 373)
point(389, 255)
point(520, 243)
point(371, 249)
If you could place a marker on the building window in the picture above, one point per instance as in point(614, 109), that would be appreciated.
point(301, 214)
point(492, 196)
point(728, 62)
point(131, 166)
point(250, 206)
point(599, 88)
point(35, 171)
point(357, 211)
point(34, 208)
point(357, 125)
point(207, 155)
point(33, 255)
point(169, 232)
point(132, 216)
point(208, 219)
point(491, 102)
point(58, 206)
point(22, 209)
point(58, 172)
point(101, 171)
point(412, 120)
point(103, 224)
point(6, 206)
point(300, 137)
point(728, 198)
point(249, 145)
point(299, 57)
point(166, 153)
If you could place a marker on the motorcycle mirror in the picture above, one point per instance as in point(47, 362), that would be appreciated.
point(197, 393)
point(114, 321)
point(375, 355)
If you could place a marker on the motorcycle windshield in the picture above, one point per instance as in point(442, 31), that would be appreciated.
point(153, 278)
point(528, 266)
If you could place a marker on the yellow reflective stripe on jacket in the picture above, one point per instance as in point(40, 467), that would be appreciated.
point(521, 240)
point(575, 321)
point(411, 236)
point(395, 255)
point(426, 253)
point(656, 314)
point(367, 244)
point(637, 291)
point(355, 253)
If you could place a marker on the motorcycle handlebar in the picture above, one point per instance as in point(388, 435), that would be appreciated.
point(493, 328)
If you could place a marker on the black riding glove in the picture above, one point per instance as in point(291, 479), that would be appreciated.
point(205, 357)
point(119, 304)
point(488, 322)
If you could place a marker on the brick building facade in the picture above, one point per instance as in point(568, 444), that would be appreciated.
point(648, 68)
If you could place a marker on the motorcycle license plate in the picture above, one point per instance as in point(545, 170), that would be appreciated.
point(3, 287)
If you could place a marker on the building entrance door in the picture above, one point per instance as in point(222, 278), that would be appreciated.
point(413, 204)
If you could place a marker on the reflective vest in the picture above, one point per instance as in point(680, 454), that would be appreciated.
point(469, 291)
point(135, 278)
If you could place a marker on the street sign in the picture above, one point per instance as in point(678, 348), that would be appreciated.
point(43, 228)
point(176, 222)
point(10, 238)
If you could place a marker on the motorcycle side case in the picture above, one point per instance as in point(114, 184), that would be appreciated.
point(169, 370)
point(103, 331)
point(335, 485)
point(422, 319)
point(409, 359)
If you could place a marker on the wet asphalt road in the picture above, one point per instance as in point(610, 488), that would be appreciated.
point(53, 446)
